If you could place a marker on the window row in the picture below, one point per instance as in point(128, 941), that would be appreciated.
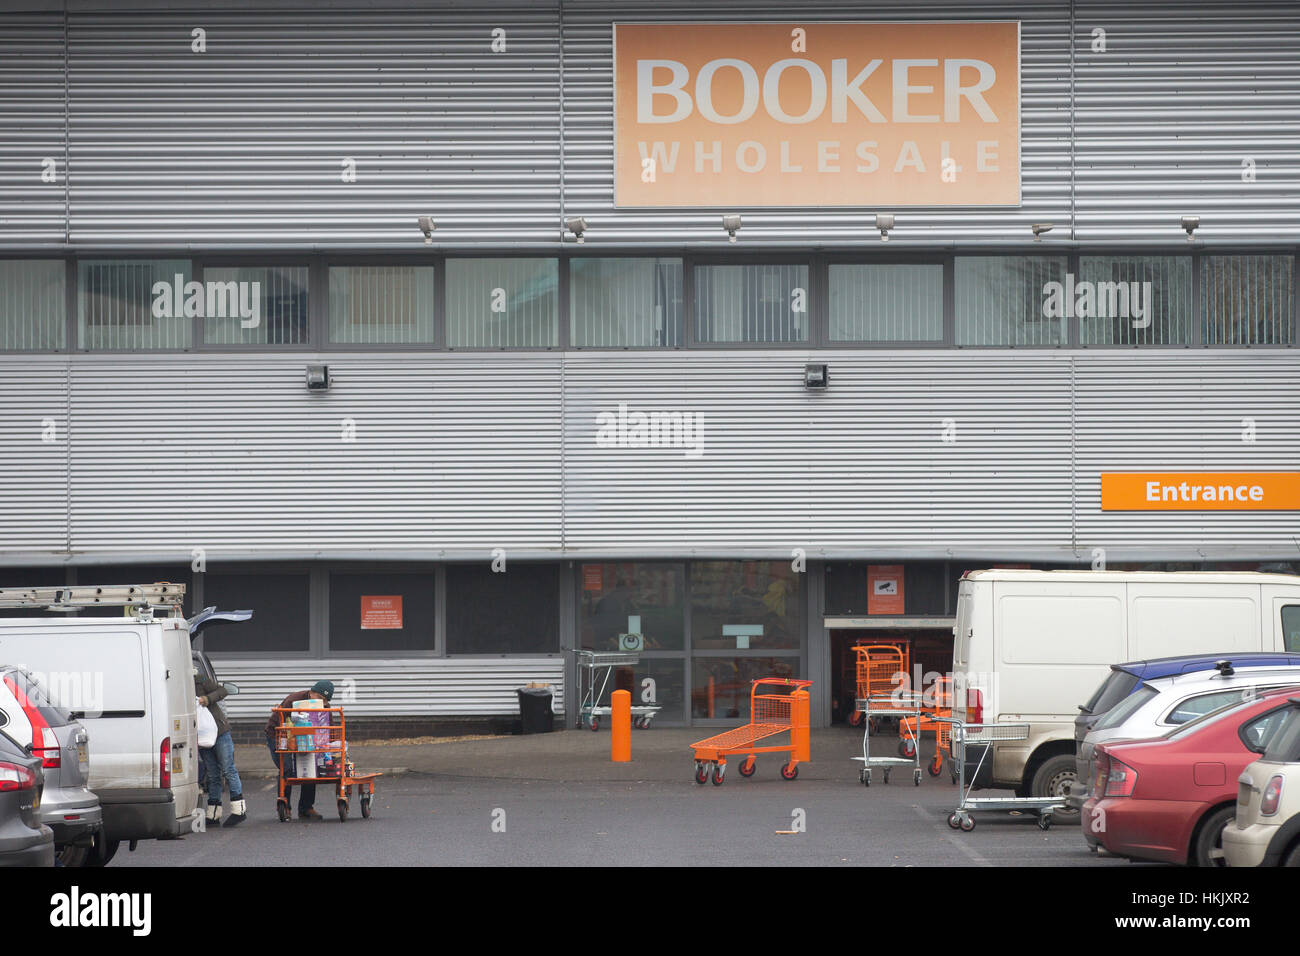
point(654, 302)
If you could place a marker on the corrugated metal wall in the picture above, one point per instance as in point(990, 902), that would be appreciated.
point(458, 454)
point(454, 687)
point(244, 145)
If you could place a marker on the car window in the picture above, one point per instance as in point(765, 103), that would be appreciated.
point(4, 718)
point(1126, 708)
point(1291, 626)
point(1202, 704)
point(1284, 745)
point(1257, 733)
point(32, 688)
point(1112, 690)
point(1196, 723)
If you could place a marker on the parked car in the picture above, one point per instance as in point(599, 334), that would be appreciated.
point(1033, 645)
point(1170, 798)
point(1158, 706)
point(67, 807)
point(24, 840)
point(1266, 831)
point(1125, 679)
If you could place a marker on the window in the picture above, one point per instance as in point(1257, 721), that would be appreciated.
point(389, 611)
point(633, 598)
point(32, 304)
point(280, 605)
point(516, 611)
point(134, 304)
point(374, 305)
point(255, 306)
point(1248, 300)
point(625, 303)
point(1284, 745)
point(1135, 300)
point(1291, 627)
point(1126, 708)
point(900, 302)
point(1004, 300)
point(133, 574)
point(502, 303)
point(751, 303)
point(1257, 733)
point(1196, 706)
point(721, 685)
point(744, 605)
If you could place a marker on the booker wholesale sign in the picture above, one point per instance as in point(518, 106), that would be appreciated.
point(1201, 491)
point(817, 114)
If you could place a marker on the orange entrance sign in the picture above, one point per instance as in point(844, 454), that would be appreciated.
point(1201, 491)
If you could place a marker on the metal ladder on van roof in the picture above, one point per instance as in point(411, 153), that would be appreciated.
point(143, 597)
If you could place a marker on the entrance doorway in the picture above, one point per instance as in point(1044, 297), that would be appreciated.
point(930, 652)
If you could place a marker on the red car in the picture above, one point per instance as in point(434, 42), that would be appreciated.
point(1169, 798)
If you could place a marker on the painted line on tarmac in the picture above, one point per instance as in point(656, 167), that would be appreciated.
point(966, 848)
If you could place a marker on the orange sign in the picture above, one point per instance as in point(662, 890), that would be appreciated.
point(381, 612)
point(817, 114)
point(885, 589)
point(1201, 491)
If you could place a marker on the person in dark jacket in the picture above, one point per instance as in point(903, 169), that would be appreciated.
point(321, 690)
point(219, 759)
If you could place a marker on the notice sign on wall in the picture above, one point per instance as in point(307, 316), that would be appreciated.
point(1201, 491)
point(381, 612)
point(884, 589)
point(817, 114)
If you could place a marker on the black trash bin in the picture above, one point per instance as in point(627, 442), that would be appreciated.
point(535, 715)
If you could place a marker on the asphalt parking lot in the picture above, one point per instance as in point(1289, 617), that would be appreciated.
point(558, 800)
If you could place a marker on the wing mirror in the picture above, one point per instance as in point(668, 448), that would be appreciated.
point(231, 688)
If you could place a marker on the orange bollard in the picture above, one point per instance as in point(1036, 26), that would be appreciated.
point(620, 725)
point(800, 722)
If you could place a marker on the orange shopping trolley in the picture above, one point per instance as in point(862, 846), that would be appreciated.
point(878, 667)
point(930, 721)
point(777, 705)
point(322, 751)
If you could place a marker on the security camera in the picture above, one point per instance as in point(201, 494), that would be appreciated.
point(1040, 228)
point(1189, 226)
point(427, 227)
point(884, 222)
point(732, 225)
point(577, 226)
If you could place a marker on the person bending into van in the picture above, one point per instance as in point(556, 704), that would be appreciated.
point(219, 759)
point(321, 690)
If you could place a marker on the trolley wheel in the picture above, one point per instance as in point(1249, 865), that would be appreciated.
point(907, 748)
point(954, 777)
point(595, 723)
point(365, 807)
point(954, 821)
point(866, 778)
point(967, 824)
point(748, 766)
point(916, 776)
point(886, 775)
point(282, 810)
point(855, 718)
point(1044, 821)
point(701, 772)
point(789, 772)
point(873, 724)
point(343, 811)
point(641, 723)
point(719, 769)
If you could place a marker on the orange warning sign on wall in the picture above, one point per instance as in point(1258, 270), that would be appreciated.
point(381, 612)
point(884, 589)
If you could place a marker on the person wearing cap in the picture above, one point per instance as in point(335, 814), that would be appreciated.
point(321, 690)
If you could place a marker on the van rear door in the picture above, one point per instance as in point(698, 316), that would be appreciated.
point(182, 721)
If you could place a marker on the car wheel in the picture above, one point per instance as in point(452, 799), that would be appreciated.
point(1208, 848)
point(1052, 776)
point(103, 851)
point(72, 855)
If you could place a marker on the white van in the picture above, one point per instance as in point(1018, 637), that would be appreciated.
point(1032, 646)
point(129, 681)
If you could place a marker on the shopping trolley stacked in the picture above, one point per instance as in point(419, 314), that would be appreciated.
point(777, 705)
point(591, 709)
point(905, 707)
point(966, 735)
point(929, 723)
point(879, 667)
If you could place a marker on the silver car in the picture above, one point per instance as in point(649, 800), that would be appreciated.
point(67, 807)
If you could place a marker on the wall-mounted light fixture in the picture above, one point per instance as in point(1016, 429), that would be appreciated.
point(427, 227)
point(1040, 228)
point(732, 225)
point(1189, 226)
point(884, 222)
point(318, 377)
point(816, 376)
point(577, 226)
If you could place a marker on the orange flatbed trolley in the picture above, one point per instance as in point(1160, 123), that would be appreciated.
point(878, 667)
point(294, 741)
point(777, 705)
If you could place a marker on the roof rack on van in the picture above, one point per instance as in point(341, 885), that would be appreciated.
point(142, 597)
